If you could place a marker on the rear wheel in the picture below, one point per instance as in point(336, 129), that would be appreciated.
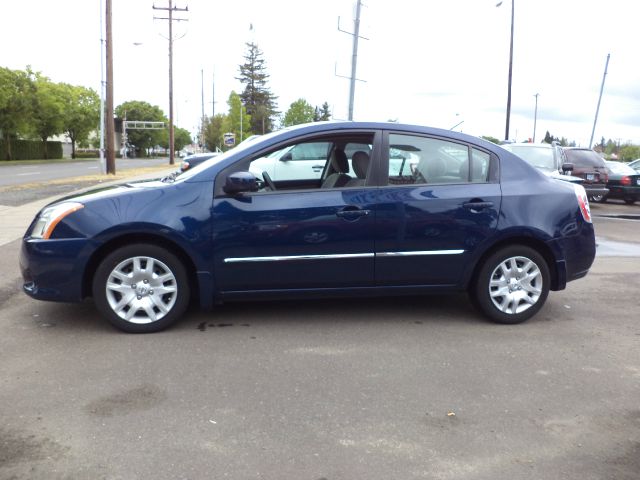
point(512, 284)
point(141, 288)
point(629, 200)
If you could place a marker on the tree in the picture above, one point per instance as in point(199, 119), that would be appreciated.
point(256, 97)
point(16, 104)
point(491, 139)
point(548, 138)
point(213, 131)
point(628, 152)
point(49, 101)
point(181, 138)
point(322, 114)
point(299, 112)
point(137, 110)
point(238, 121)
point(81, 114)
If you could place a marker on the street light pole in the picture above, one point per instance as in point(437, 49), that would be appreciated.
point(535, 118)
point(506, 131)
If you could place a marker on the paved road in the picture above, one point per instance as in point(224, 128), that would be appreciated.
point(376, 389)
point(41, 172)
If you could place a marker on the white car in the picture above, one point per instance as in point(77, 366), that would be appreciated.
point(546, 158)
point(303, 161)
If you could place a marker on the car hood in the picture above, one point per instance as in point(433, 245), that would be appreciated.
point(111, 191)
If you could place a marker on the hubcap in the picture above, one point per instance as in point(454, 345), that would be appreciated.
point(141, 290)
point(515, 285)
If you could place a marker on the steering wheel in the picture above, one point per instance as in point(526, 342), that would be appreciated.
point(268, 181)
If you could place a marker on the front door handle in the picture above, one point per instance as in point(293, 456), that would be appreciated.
point(352, 213)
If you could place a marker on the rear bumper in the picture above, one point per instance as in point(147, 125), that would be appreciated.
point(578, 254)
point(620, 191)
point(595, 190)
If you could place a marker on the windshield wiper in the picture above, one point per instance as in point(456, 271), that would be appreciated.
point(171, 177)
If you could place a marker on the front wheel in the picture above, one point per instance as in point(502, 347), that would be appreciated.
point(512, 284)
point(141, 288)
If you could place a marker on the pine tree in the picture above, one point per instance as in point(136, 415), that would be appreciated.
point(256, 97)
point(322, 113)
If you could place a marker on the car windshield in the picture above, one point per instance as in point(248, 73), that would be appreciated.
point(539, 157)
point(621, 168)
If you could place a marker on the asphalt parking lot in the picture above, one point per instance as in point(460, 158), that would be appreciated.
point(383, 388)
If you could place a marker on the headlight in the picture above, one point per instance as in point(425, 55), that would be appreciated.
point(50, 217)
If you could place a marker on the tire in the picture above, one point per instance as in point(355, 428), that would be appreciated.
point(512, 285)
point(629, 200)
point(599, 198)
point(135, 298)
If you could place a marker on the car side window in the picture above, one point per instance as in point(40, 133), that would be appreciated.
point(302, 161)
point(328, 162)
point(425, 160)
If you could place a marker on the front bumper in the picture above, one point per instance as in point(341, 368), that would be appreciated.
point(53, 269)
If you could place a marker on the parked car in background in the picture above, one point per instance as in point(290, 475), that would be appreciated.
point(419, 210)
point(191, 161)
point(624, 182)
point(635, 165)
point(546, 158)
point(588, 165)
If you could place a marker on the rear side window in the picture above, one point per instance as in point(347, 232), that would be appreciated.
point(587, 158)
point(425, 160)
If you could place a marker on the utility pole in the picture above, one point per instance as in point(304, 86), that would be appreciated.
point(202, 117)
point(595, 120)
point(111, 156)
point(354, 55)
point(171, 9)
point(535, 118)
point(102, 86)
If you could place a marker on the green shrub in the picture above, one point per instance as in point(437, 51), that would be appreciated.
point(30, 150)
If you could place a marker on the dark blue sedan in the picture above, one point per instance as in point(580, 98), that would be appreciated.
point(395, 209)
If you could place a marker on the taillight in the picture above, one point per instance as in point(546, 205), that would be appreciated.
point(583, 202)
point(625, 180)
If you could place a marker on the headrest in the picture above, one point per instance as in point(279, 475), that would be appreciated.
point(339, 161)
point(360, 163)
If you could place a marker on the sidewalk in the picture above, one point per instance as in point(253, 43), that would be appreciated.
point(16, 220)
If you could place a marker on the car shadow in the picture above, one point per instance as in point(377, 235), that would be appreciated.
point(402, 309)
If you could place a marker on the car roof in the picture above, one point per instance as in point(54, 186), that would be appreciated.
point(527, 145)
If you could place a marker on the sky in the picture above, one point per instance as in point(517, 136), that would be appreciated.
point(441, 63)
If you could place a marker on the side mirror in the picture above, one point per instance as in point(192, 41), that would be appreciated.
point(567, 168)
point(286, 157)
point(239, 182)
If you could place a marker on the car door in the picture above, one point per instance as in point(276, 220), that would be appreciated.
point(303, 238)
point(441, 201)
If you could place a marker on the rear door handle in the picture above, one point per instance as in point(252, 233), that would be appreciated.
point(477, 206)
point(317, 168)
